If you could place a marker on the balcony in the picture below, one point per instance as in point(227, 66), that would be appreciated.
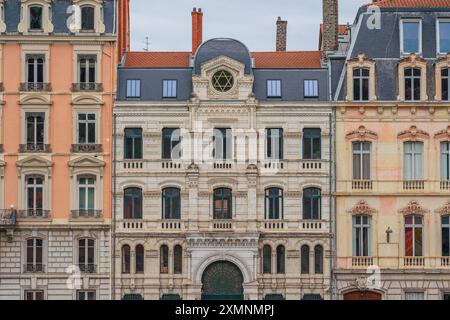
point(8, 217)
point(221, 165)
point(313, 225)
point(89, 214)
point(445, 262)
point(445, 185)
point(131, 224)
point(86, 148)
point(273, 225)
point(35, 87)
point(170, 165)
point(35, 213)
point(34, 268)
point(413, 185)
point(362, 262)
point(34, 147)
point(87, 268)
point(222, 224)
point(272, 165)
point(312, 165)
point(362, 185)
point(87, 86)
point(132, 165)
point(172, 225)
point(414, 262)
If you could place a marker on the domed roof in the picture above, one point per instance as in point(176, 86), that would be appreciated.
point(230, 48)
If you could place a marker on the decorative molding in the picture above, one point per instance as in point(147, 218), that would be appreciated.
point(443, 134)
point(362, 208)
point(413, 207)
point(222, 242)
point(445, 210)
point(443, 62)
point(361, 62)
point(413, 134)
point(412, 61)
point(361, 134)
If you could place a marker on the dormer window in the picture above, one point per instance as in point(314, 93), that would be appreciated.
point(444, 36)
point(412, 84)
point(445, 84)
point(35, 18)
point(87, 18)
point(411, 33)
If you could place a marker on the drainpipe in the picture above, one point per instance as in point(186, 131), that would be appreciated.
point(330, 124)
point(334, 177)
point(113, 233)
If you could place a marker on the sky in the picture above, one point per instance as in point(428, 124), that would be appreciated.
point(167, 23)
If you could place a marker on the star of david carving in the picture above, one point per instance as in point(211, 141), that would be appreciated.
point(222, 81)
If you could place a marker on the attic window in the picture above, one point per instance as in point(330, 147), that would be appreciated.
point(223, 81)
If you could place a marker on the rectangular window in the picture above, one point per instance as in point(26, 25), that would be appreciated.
point(34, 295)
point(413, 236)
point(445, 161)
point(87, 18)
point(414, 296)
point(86, 69)
point(35, 69)
point(361, 160)
point(133, 143)
point(446, 296)
point(311, 88)
point(445, 84)
point(413, 160)
point(86, 128)
point(86, 295)
point(34, 255)
point(273, 88)
point(35, 18)
point(411, 33)
point(361, 78)
point(35, 195)
point(222, 143)
point(86, 249)
point(412, 84)
point(444, 37)
point(445, 236)
point(86, 194)
point(361, 236)
point(133, 88)
point(171, 143)
point(35, 128)
point(169, 88)
point(312, 140)
point(274, 143)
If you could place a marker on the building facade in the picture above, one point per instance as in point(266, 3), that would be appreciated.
point(392, 152)
point(222, 173)
point(58, 64)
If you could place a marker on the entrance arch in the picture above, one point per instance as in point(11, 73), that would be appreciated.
point(222, 280)
point(362, 295)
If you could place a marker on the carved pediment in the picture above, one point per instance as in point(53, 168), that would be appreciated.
point(444, 61)
point(443, 134)
point(413, 60)
point(413, 134)
point(413, 208)
point(361, 60)
point(361, 134)
point(362, 208)
point(87, 100)
point(445, 210)
point(34, 99)
point(34, 162)
point(86, 162)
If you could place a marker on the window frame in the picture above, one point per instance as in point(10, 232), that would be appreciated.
point(318, 259)
point(414, 225)
point(87, 122)
point(42, 8)
point(35, 63)
point(413, 79)
point(34, 260)
point(316, 88)
point(172, 215)
point(266, 259)
point(420, 35)
point(133, 136)
point(308, 135)
point(168, 86)
point(164, 259)
point(223, 195)
point(311, 198)
point(361, 152)
point(360, 80)
point(86, 294)
point(445, 79)
point(445, 225)
point(305, 263)
point(133, 89)
point(170, 133)
point(139, 259)
point(272, 141)
point(178, 259)
point(413, 164)
point(268, 199)
point(281, 259)
point(34, 293)
point(87, 6)
point(35, 187)
point(444, 157)
point(86, 186)
point(89, 248)
point(359, 229)
point(133, 197)
point(126, 263)
point(270, 88)
point(88, 60)
point(438, 35)
point(222, 139)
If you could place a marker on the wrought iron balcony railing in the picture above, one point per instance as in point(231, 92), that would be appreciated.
point(34, 267)
point(35, 213)
point(8, 217)
point(86, 213)
point(86, 148)
point(87, 86)
point(87, 267)
point(34, 147)
point(35, 86)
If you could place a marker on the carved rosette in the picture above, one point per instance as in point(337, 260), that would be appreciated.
point(361, 134)
point(413, 134)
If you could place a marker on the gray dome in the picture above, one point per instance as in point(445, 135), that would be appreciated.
point(231, 48)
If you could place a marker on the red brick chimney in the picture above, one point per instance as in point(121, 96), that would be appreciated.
point(123, 28)
point(330, 36)
point(281, 34)
point(197, 29)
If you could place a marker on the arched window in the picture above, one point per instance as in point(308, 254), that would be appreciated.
point(318, 259)
point(139, 258)
point(312, 204)
point(34, 255)
point(164, 259)
point(280, 259)
point(267, 259)
point(132, 203)
point(87, 18)
point(86, 196)
point(171, 202)
point(86, 255)
point(274, 204)
point(305, 259)
point(35, 196)
point(222, 204)
point(126, 259)
point(178, 259)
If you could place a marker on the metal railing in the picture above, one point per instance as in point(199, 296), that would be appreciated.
point(87, 267)
point(86, 148)
point(34, 268)
point(34, 147)
point(86, 213)
point(8, 217)
point(35, 213)
point(87, 86)
point(35, 86)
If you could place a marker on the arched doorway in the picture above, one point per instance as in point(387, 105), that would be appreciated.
point(222, 280)
point(362, 295)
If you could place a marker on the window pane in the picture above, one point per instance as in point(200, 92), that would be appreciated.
point(178, 260)
point(418, 242)
point(305, 260)
point(408, 241)
point(274, 88)
point(36, 18)
point(267, 259)
point(445, 240)
point(411, 36)
point(311, 88)
point(318, 260)
point(444, 36)
point(87, 18)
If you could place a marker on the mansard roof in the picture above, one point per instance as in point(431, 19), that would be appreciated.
point(411, 4)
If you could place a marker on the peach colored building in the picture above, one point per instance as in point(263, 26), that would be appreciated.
point(58, 82)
